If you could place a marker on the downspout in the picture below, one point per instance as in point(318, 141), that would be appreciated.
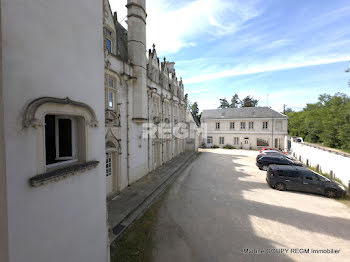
point(149, 96)
point(148, 136)
point(129, 77)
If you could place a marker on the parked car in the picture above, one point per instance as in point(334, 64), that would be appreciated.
point(264, 162)
point(272, 153)
point(297, 178)
point(271, 149)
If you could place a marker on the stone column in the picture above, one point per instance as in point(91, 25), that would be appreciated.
point(137, 54)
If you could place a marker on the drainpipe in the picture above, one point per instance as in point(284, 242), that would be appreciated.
point(149, 97)
point(148, 136)
point(129, 77)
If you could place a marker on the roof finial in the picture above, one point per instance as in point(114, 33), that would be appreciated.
point(154, 46)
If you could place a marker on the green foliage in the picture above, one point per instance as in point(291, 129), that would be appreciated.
point(326, 122)
point(235, 101)
point(194, 109)
point(215, 146)
point(227, 146)
point(248, 101)
point(224, 103)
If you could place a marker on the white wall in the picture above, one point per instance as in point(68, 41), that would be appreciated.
point(3, 190)
point(53, 48)
point(328, 161)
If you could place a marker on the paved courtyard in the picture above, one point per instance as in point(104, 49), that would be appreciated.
point(221, 207)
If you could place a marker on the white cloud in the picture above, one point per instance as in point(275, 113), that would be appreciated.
point(174, 28)
point(276, 64)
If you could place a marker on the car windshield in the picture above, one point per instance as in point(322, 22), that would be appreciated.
point(322, 178)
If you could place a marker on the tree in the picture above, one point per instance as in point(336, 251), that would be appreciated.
point(194, 109)
point(288, 110)
point(235, 101)
point(325, 122)
point(249, 101)
point(224, 103)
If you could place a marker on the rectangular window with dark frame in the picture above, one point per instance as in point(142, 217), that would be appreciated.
point(232, 125)
point(64, 127)
point(60, 139)
point(262, 142)
point(111, 100)
point(217, 125)
point(209, 140)
point(265, 125)
point(109, 45)
point(221, 140)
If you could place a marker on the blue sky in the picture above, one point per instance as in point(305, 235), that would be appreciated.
point(280, 52)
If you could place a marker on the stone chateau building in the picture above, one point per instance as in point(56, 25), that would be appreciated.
point(245, 128)
point(82, 111)
point(139, 89)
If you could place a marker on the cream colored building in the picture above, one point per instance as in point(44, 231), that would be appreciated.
point(245, 128)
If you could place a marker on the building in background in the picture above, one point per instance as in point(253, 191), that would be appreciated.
point(245, 128)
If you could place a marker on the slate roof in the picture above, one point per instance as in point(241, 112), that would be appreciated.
point(244, 112)
point(122, 42)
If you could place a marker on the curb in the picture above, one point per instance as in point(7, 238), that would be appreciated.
point(117, 231)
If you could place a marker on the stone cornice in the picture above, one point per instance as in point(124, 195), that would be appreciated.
point(29, 119)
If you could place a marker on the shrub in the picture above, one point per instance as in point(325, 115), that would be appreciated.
point(227, 146)
point(215, 146)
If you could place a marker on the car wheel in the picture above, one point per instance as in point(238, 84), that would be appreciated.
point(330, 193)
point(280, 186)
point(265, 168)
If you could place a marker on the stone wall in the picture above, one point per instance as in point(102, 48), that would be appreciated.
point(327, 160)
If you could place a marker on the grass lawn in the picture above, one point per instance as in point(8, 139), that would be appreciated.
point(136, 244)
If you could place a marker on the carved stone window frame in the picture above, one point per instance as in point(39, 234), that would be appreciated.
point(111, 37)
point(34, 121)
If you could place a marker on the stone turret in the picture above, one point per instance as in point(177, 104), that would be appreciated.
point(137, 54)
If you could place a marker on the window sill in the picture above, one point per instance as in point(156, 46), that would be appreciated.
point(61, 173)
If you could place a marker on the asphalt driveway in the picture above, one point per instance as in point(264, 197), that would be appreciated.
point(221, 209)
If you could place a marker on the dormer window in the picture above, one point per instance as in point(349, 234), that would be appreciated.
point(111, 93)
point(108, 39)
point(111, 82)
point(111, 99)
point(109, 45)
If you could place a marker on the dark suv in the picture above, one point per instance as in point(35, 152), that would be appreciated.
point(264, 162)
point(302, 179)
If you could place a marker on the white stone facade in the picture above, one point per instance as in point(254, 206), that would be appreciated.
point(145, 92)
point(77, 95)
point(244, 131)
point(48, 54)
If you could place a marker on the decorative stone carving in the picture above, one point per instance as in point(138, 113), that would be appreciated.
point(112, 117)
point(29, 119)
point(156, 120)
